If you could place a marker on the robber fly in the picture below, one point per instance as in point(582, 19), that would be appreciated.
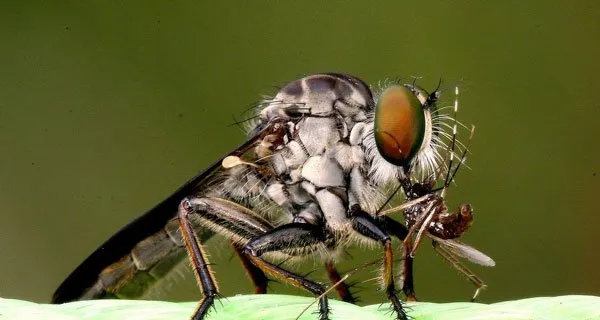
point(308, 181)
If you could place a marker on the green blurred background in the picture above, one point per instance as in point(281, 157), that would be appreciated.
point(106, 107)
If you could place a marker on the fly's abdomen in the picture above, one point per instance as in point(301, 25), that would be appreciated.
point(133, 276)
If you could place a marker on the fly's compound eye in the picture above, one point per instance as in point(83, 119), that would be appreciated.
point(399, 125)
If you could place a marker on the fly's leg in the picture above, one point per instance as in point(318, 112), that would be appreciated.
point(342, 289)
point(296, 280)
point(405, 235)
point(204, 275)
point(399, 231)
point(258, 277)
point(366, 225)
point(243, 226)
point(407, 274)
point(225, 217)
point(408, 284)
point(260, 280)
point(296, 239)
point(395, 228)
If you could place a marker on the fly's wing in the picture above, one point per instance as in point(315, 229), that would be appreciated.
point(144, 250)
point(464, 251)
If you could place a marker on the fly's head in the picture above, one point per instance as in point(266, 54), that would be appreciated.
point(403, 125)
point(407, 128)
point(409, 133)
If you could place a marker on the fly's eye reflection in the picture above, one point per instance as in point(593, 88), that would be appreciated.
point(311, 180)
point(399, 125)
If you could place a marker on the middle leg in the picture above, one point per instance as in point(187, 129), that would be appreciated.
point(294, 239)
point(407, 276)
point(367, 226)
point(257, 276)
point(342, 288)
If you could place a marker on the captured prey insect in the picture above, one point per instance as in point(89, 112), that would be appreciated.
point(308, 181)
point(426, 213)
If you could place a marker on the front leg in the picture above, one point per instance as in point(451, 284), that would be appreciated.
point(366, 225)
point(342, 288)
point(399, 231)
point(257, 276)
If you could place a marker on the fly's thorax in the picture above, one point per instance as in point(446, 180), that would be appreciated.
point(309, 212)
point(321, 172)
point(317, 134)
point(338, 167)
point(319, 95)
point(324, 149)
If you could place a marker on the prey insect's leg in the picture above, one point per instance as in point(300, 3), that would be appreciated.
point(228, 218)
point(366, 225)
point(422, 230)
point(421, 225)
point(299, 236)
point(342, 289)
point(405, 205)
point(454, 261)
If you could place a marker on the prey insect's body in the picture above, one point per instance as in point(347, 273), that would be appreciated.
point(308, 181)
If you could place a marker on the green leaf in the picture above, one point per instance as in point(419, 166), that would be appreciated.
point(270, 306)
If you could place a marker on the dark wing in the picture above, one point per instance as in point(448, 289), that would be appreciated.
point(111, 257)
